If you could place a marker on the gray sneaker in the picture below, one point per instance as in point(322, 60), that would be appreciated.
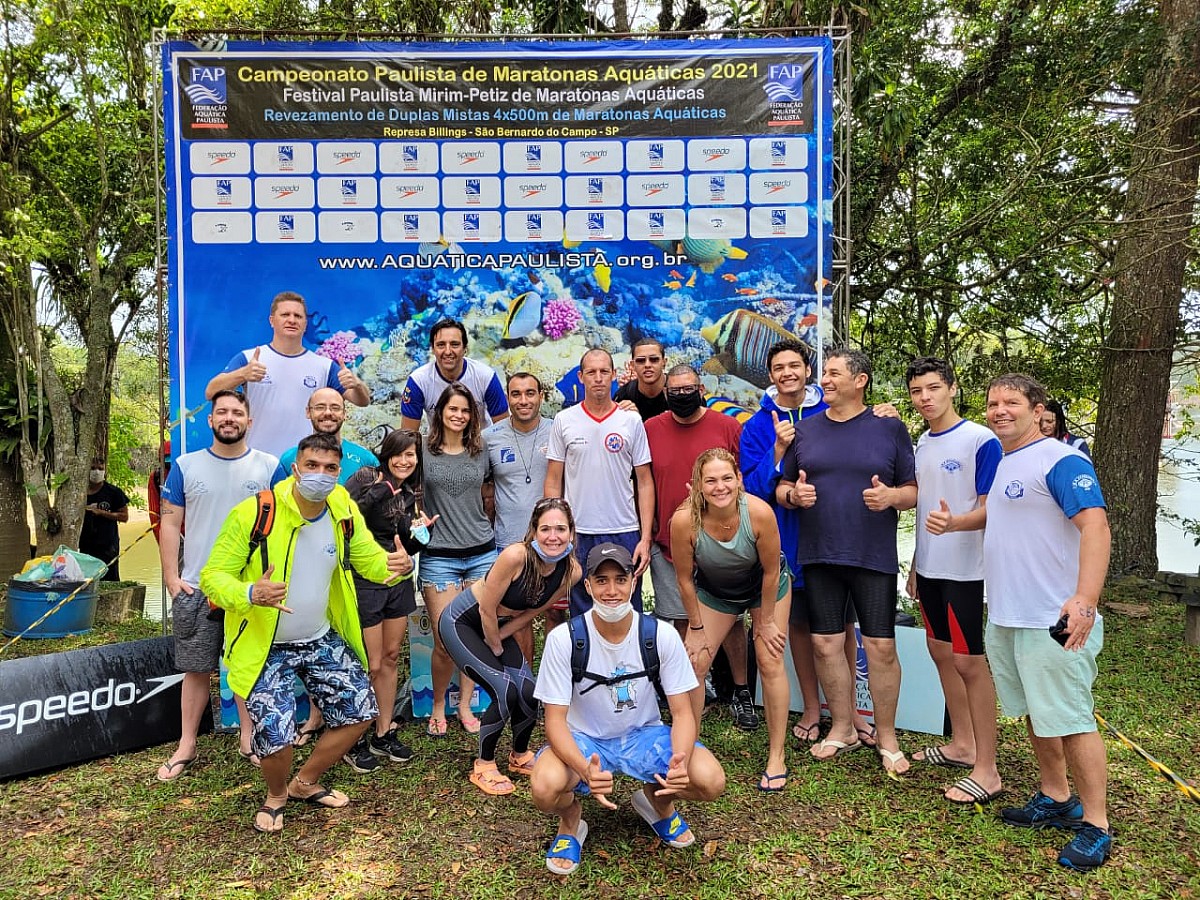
point(745, 716)
point(360, 759)
point(390, 747)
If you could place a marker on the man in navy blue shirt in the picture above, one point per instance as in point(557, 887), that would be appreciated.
point(850, 472)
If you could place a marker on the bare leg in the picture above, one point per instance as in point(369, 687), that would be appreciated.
point(961, 745)
point(800, 641)
point(1087, 759)
point(981, 700)
point(1052, 764)
point(884, 678)
point(735, 647)
point(716, 627)
point(553, 786)
point(193, 698)
point(776, 692)
point(330, 747)
point(383, 653)
point(836, 678)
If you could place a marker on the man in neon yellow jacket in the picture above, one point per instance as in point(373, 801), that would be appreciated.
point(291, 610)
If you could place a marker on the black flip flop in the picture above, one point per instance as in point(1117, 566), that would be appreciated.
point(979, 794)
point(184, 765)
point(318, 797)
point(274, 813)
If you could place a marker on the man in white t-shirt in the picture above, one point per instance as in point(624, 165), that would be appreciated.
point(594, 445)
point(448, 364)
point(1045, 557)
point(608, 721)
point(956, 463)
point(280, 376)
point(202, 487)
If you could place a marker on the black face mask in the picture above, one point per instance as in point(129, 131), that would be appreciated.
point(684, 405)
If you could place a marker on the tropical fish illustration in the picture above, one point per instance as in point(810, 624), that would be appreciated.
point(769, 301)
point(691, 282)
point(727, 407)
point(673, 285)
point(746, 292)
point(675, 274)
point(729, 276)
point(741, 340)
point(524, 316)
point(704, 253)
point(821, 283)
point(570, 387)
point(429, 250)
point(808, 320)
point(603, 275)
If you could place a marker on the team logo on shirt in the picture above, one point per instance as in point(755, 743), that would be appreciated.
point(1083, 482)
point(507, 455)
point(1014, 490)
point(951, 465)
point(623, 694)
point(406, 397)
point(330, 550)
point(252, 486)
point(309, 381)
point(614, 443)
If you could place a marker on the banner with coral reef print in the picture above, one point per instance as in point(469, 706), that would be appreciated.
point(554, 196)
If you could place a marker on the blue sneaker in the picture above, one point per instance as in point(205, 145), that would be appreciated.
point(1087, 850)
point(1043, 812)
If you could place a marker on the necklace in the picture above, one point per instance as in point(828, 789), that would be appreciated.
point(528, 466)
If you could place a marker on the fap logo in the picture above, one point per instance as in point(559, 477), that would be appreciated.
point(778, 153)
point(533, 225)
point(208, 86)
point(507, 455)
point(656, 223)
point(595, 190)
point(285, 157)
point(716, 187)
point(349, 190)
point(470, 223)
point(785, 83)
point(533, 156)
point(951, 465)
point(1014, 490)
point(472, 190)
point(287, 227)
point(614, 443)
point(656, 156)
point(412, 224)
point(778, 221)
point(224, 191)
point(409, 158)
point(595, 224)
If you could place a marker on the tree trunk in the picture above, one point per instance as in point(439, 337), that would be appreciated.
point(620, 16)
point(14, 524)
point(1150, 262)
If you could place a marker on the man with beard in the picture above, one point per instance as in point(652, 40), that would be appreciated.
point(327, 412)
point(204, 486)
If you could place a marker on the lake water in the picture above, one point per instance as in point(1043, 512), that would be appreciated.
point(1178, 486)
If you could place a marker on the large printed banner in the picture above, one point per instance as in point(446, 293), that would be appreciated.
point(553, 196)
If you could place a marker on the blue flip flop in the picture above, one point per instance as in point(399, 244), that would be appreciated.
point(668, 828)
point(770, 780)
point(568, 847)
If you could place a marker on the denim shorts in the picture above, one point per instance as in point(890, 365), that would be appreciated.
point(334, 678)
point(1036, 677)
point(443, 572)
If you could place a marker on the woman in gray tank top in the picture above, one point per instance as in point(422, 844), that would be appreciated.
point(725, 546)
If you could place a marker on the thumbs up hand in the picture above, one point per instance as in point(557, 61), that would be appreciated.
point(266, 592)
point(599, 782)
point(398, 561)
point(940, 520)
point(346, 378)
point(878, 496)
point(254, 370)
point(785, 433)
point(804, 495)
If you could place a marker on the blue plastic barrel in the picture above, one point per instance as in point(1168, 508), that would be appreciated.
point(28, 601)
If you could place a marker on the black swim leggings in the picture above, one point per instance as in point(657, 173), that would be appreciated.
point(830, 588)
point(507, 678)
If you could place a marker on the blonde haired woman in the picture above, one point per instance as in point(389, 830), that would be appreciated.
point(725, 545)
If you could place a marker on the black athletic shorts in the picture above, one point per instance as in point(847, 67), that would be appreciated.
point(953, 612)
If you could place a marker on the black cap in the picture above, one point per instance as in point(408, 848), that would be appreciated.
point(603, 553)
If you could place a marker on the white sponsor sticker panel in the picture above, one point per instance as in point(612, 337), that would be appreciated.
point(346, 158)
point(533, 157)
point(285, 227)
point(410, 227)
point(348, 227)
point(284, 158)
point(222, 228)
point(533, 225)
point(219, 158)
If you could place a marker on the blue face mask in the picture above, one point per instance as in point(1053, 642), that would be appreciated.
point(420, 532)
point(542, 555)
point(315, 486)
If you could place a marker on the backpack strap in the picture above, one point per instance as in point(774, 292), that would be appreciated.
point(264, 521)
point(648, 642)
point(347, 533)
point(580, 648)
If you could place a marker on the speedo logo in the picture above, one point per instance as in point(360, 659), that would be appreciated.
point(774, 187)
point(79, 703)
point(469, 156)
point(712, 153)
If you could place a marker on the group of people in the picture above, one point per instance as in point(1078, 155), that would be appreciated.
point(312, 549)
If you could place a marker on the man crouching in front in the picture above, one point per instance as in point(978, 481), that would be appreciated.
point(598, 680)
point(291, 611)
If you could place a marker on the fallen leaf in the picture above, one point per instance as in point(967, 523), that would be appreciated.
point(456, 867)
point(710, 849)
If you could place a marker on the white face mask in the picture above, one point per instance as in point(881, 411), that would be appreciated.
point(96, 476)
point(612, 613)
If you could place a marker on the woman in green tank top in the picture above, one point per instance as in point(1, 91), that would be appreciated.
point(725, 547)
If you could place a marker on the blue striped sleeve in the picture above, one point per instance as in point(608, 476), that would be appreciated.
point(987, 458)
point(1073, 483)
point(494, 399)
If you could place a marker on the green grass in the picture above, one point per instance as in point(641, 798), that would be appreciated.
point(107, 829)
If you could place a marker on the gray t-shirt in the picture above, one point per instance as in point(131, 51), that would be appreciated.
point(519, 466)
point(453, 490)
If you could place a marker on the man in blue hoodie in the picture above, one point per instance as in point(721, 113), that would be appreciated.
point(766, 437)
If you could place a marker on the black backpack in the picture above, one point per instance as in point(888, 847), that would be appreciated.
point(647, 642)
